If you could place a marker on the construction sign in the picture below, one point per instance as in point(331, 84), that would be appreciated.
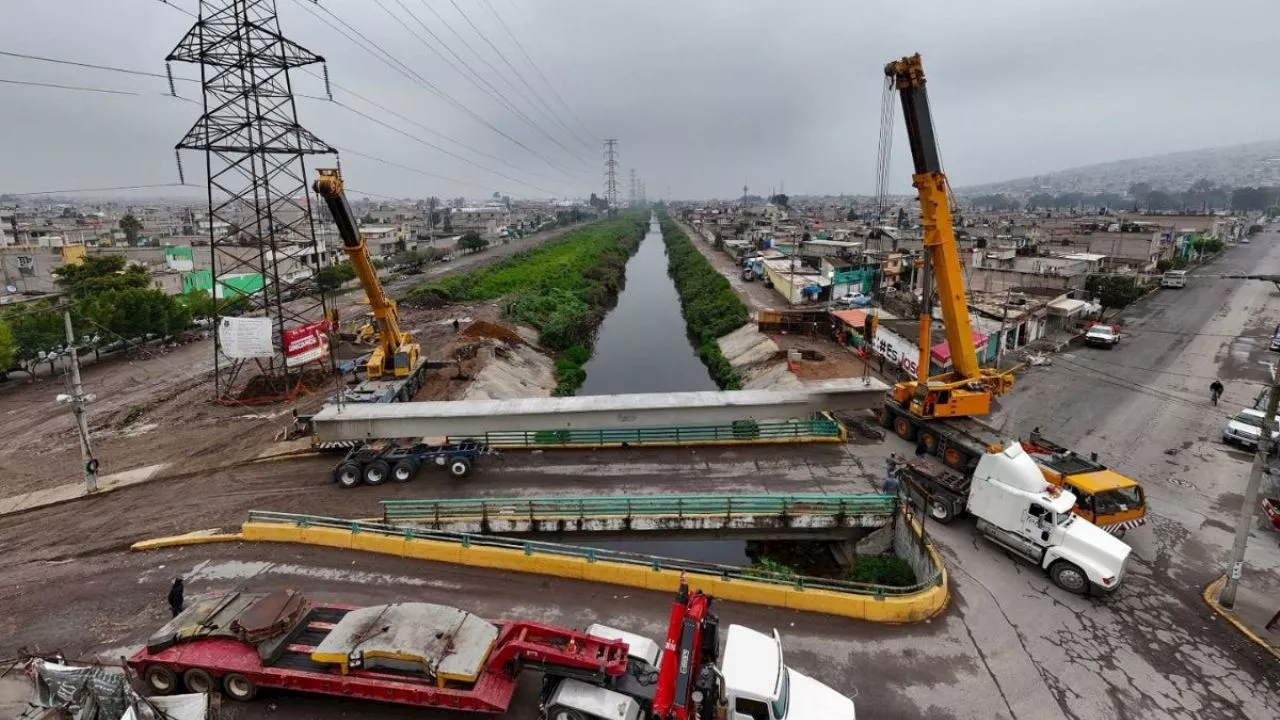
point(306, 343)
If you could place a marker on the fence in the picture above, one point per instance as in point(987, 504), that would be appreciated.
point(935, 576)
point(581, 508)
point(816, 429)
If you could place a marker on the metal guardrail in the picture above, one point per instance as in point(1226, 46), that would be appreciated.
point(439, 510)
point(653, 562)
point(739, 431)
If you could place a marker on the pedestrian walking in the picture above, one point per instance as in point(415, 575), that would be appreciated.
point(176, 602)
point(456, 324)
point(891, 483)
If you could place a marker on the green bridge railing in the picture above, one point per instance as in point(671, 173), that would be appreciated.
point(743, 431)
point(575, 508)
point(724, 572)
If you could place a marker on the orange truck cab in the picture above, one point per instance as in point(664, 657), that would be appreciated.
point(1104, 497)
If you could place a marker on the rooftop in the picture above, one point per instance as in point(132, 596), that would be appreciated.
point(752, 660)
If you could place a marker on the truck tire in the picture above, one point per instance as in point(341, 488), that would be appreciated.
point(377, 472)
point(904, 428)
point(941, 511)
point(884, 417)
point(459, 467)
point(239, 688)
point(930, 440)
point(404, 470)
point(160, 679)
point(560, 712)
point(955, 458)
point(1069, 577)
point(198, 680)
point(347, 475)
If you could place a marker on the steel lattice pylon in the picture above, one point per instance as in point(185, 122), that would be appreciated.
point(260, 221)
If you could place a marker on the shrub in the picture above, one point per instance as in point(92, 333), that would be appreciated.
point(888, 570)
point(710, 307)
point(767, 567)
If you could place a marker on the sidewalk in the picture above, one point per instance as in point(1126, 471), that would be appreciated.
point(756, 296)
point(75, 490)
point(1254, 606)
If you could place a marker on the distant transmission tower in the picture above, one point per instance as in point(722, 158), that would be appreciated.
point(261, 233)
point(634, 197)
point(643, 199)
point(744, 195)
point(611, 174)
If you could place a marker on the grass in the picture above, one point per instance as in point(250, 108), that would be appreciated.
point(710, 307)
point(888, 570)
point(562, 289)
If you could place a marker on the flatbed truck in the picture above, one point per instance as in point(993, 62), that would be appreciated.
point(435, 656)
point(376, 463)
point(1105, 497)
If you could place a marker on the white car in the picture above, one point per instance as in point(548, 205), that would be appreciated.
point(854, 299)
point(1102, 336)
point(1245, 429)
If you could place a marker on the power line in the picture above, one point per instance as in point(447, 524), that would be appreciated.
point(101, 189)
point(102, 91)
point(400, 67)
point(419, 171)
point(516, 72)
point(492, 91)
point(93, 66)
point(590, 134)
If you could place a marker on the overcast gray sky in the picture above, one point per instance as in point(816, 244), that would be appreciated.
point(704, 96)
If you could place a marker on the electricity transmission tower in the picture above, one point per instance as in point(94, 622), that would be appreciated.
point(634, 197)
point(261, 233)
point(611, 174)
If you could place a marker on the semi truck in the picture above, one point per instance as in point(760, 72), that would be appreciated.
point(1018, 509)
point(434, 656)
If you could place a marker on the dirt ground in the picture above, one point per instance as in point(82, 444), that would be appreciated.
point(155, 405)
point(823, 359)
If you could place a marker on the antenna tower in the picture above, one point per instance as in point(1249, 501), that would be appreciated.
point(262, 238)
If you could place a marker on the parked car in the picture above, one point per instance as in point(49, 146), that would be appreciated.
point(1245, 430)
point(1174, 279)
point(854, 299)
point(1275, 340)
point(1102, 336)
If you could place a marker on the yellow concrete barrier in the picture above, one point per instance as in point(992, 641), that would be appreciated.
point(182, 540)
point(888, 609)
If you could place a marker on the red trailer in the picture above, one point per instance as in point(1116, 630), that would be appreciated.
point(416, 654)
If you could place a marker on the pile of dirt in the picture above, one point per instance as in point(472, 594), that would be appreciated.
point(262, 389)
point(491, 330)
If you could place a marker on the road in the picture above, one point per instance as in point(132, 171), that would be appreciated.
point(1010, 646)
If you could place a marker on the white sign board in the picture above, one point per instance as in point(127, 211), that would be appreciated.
point(245, 337)
point(899, 351)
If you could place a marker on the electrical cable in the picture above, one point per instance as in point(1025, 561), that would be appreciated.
point(516, 41)
point(101, 189)
point(400, 67)
point(419, 171)
point(57, 86)
point(497, 51)
point(492, 91)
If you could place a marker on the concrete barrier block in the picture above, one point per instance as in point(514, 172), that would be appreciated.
point(669, 580)
point(746, 591)
point(270, 532)
point(499, 558)
point(384, 544)
point(827, 602)
point(616, 574)
point(565, 567)
point(327, 537)
point(433, 550)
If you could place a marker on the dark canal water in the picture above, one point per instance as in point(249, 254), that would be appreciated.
point(642, 346)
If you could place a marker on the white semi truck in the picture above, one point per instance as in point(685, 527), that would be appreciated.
point(1018, 509)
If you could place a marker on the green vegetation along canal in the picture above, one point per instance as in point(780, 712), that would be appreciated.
point(642, 346)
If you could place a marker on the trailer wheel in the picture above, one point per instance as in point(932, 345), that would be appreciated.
point(560, 712)
point(377, 472)
point(1069, 577)
point(884, 417)
point(904, 428)
point(459, 467)
point(198, 680)
point(239, 687)
point(347, 474)
point(941, 511)
point(404, 470)
point(160, 679)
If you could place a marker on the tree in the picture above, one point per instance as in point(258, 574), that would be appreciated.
point(96, 274)
point(131, 226)
point(1255, 199)
point(1040, 201)
point(331, 278)
point(779, 199)
point(200, 304)
point(719, 243)
point(1158, 200)
point(472, 242)
point(411, 260)
point(599, 203)
point(8, 348)
point(137, 312)
point(35, 328)
point(1113, 291)
point(448, 221)
point(1139, 192)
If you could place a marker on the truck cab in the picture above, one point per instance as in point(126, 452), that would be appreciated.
point(1019, 510)
point(1104, 497)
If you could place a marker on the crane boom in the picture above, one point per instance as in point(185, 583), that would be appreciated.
point(935, 212)
point(968, 389)
point(396, 354)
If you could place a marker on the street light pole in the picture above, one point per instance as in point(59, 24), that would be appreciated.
point(1227, 598)
point(89, 464)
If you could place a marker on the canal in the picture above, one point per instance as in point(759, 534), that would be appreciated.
point(642, 346)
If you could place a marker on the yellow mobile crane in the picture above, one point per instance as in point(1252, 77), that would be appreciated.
point(394, 371)
point(967, 390)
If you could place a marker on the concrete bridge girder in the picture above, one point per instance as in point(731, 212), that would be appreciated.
point(367, 421)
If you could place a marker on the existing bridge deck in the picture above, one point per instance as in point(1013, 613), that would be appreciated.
point(368, 421)
point(811, 517)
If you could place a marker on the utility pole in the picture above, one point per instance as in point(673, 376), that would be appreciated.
point(89, 463)
point(611, 174)
point(1227, 598)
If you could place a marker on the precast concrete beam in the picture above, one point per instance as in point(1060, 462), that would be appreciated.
point(763, 526)
point(361, 421)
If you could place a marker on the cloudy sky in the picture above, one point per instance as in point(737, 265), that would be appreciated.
point(704, 96)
